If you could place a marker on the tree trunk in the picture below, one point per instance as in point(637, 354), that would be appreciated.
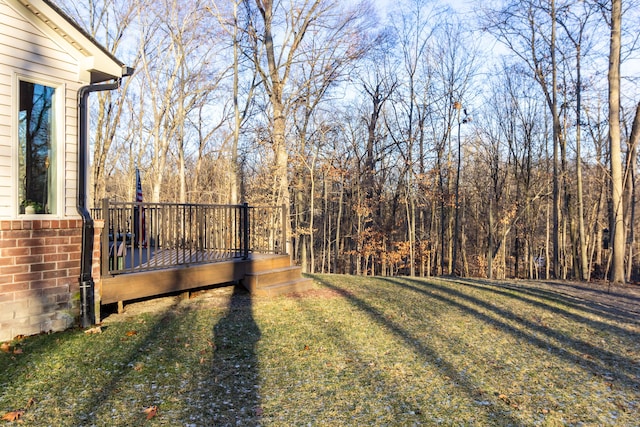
point(630, 189)
point(617, 223)
point(491, 239)
point(456, 232)
point(234, 181)
point(312, 208)
point(339, 249)
point(582, 241)
point(557, 134)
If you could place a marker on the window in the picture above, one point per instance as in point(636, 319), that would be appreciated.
point(37, 168)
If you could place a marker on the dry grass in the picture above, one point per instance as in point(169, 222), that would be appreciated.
point(355, 351)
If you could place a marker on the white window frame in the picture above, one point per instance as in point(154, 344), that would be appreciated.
point(59, 129)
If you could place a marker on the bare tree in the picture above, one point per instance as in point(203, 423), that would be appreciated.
point(278, 33)
point(630, 189)
point(107, 21)
point(617, 220)
point(178, 79)
point(234, 24)
point(529, 30)
point(575, 27)
point(413, 28)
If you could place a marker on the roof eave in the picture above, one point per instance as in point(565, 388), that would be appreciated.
point(96, 63)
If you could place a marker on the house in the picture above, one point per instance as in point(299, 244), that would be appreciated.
point(59, 265)
point(48, 68)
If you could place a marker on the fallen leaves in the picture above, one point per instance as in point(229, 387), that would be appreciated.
point(5, 347)
point(128, 334)
point(94, 330)
point(17, 414)
point(12, 416)
point(508, 401)
point(151, 411)
point(440, 358)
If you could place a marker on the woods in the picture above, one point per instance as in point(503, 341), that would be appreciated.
point(422, 140)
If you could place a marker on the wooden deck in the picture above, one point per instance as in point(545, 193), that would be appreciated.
point(140, 259)
point(266, 275)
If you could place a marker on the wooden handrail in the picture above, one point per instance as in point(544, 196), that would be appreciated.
point(142, 236)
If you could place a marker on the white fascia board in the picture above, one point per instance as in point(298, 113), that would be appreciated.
point(94, 62)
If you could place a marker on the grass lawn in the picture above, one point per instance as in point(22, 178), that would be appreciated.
point(353, 351)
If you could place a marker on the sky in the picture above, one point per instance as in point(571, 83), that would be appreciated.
point(385, 6)
point(630, 67)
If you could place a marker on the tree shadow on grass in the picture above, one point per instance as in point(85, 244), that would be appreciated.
point(108, 378)
point(613, 305)
point(91, 411)
point(466, 386)
point(234, 394)
point(598, 360)
point(604, 289)
point(364, 370)
point(553, 302)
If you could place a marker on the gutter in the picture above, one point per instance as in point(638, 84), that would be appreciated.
point(87, 285)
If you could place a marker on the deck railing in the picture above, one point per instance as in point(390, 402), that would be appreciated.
point(151, 236)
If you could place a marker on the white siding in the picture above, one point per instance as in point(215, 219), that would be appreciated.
point(71, 151)
point(26, 51)
point(6, 146)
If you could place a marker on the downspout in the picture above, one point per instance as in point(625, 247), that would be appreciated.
point(87, 300)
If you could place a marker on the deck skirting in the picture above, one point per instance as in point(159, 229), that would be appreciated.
point(132, 286)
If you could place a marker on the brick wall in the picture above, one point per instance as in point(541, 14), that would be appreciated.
point(39, 270)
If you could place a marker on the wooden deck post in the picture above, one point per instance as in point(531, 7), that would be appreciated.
point(245, 230)
point(105, 251)
point(285, 228)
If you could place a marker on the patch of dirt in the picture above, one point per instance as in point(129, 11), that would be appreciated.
point(319, 293)
point(616, 297)
point(218, 297)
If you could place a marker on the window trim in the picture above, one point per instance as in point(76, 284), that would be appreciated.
point(59, 115)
